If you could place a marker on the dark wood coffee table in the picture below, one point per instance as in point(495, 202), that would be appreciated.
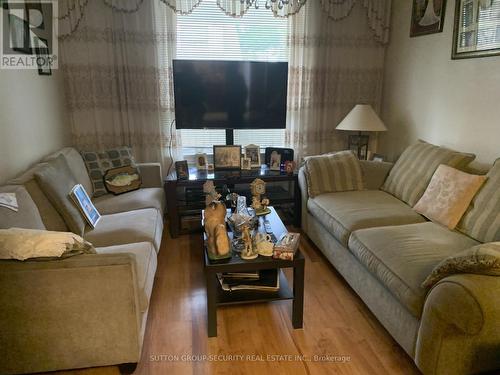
point(217, 297)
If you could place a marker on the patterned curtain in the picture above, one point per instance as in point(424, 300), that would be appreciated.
point(332, 67)
point(117, 68)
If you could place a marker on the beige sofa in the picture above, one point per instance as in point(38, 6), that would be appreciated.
point(385, 250)
point(87, 310)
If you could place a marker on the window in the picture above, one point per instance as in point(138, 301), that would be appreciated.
point(208, 33)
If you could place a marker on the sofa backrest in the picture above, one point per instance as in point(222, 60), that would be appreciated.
point(27, 215)
point(77, 166)
point(50, 217)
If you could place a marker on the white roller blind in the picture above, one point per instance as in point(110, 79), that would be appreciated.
point(209, 34)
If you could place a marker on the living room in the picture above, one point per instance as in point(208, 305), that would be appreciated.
point(354, 145)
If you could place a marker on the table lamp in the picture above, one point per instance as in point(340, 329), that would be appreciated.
point(362, 118)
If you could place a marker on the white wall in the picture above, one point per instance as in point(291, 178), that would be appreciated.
point(455, 103)
point(32, 119)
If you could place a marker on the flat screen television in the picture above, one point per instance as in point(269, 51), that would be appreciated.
point(230, 94)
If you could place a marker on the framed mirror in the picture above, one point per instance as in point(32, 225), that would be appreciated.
point(477, 29)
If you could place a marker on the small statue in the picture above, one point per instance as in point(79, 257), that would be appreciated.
point(212, 195)
point(215, 228)
point(248, 252)
point(258, 188)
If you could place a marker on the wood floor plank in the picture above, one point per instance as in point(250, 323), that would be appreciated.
point(340, 334)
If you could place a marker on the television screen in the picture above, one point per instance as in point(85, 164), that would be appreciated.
point(230, 94)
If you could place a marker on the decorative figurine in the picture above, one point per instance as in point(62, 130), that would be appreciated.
point(212, 195)
point(258, 188)
point(218, 245)
point(264, 244)
point(248, 252)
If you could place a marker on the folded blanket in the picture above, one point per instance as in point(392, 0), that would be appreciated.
point(21, 244)
point(482, 259)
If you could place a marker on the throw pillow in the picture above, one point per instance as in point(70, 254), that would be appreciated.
point(22, 244)
point(483, 259)
point(26, 216)
point(412, 172)
point(122, 180)
point(56, 181)
point(99, 162)
point(448, 195)
point(482, 219)
point(340, 171)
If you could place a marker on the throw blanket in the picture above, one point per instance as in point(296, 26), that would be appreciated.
point(22, 244)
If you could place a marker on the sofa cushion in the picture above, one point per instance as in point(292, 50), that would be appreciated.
point(50, 217)
point(481, 221)
point(345, 212)
point(27, 215)
point(144, 225)
point(412, 172)
point(98, 162)
point(76, 165)
point(402, 256)
point(56, 180)
point(335, 172)
point(133, 200)
point(448, 195)
point(145, 260)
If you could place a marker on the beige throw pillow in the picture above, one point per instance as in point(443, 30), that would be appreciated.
point(340, 171)
point(448, 195)
point(56, 180)
point(482, 259)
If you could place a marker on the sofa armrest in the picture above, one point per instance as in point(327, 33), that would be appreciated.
point(375, 173)
point(304, 197)
point(150, 175)
point(460, 326)
point(77, 312)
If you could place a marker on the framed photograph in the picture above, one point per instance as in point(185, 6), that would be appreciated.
point(246, 163)
point(286, 154)
point(42, 56)
point(201, 161)
point(85, 205)
point(476, 31)
point(252, 152)
point(227, 157)
point(275, 161)
point(182, 170)
point(427, 17)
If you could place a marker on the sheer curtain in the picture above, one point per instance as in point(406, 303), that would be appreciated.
point(333, 65)
point(117, 67)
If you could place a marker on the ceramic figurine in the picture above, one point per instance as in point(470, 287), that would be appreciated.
point(212, 195)
point(248, 252)
point(264, 244)
point(215, 227)
point(258, 188)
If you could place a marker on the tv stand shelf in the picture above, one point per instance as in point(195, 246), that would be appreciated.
point(185, 198)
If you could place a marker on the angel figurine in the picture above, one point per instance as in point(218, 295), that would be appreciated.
point(212, 195)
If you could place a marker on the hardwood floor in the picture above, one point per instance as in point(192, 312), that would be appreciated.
point(337, 325)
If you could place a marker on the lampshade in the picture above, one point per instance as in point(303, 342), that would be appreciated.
point(362, 118)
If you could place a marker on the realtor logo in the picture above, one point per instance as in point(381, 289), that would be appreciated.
point(28, 35)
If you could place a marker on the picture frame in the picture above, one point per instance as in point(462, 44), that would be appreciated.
point(252, 152)
point(427, 17)
point(286, 154)
point(201, 161)
point(246, 164)
point(85, 205)
point(42, 53)
point(275, 161)
point(182, 170)
point(476, 31)
point(227, 157)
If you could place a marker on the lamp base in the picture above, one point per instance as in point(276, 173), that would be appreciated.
point(359, 144)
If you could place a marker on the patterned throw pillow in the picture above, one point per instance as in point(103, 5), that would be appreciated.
point(412, 172)
point(330, 173)
point(482, 259)
point(448, 195)
point(482, 219)
point(98, 163)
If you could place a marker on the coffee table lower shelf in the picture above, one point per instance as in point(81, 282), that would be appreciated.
point(237, 297)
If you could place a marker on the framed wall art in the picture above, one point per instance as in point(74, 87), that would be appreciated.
point(427, 17)
point(477, 29)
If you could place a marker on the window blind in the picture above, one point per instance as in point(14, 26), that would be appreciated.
point(207, 33)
